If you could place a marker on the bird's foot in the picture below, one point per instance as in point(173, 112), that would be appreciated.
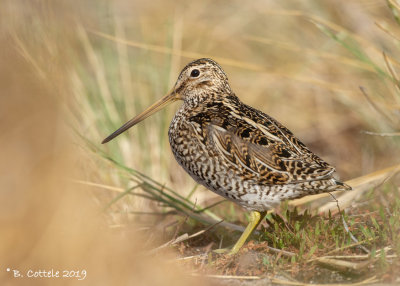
point(228, 251)
point(221, 250)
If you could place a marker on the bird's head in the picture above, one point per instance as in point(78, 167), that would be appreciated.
point(200, 80)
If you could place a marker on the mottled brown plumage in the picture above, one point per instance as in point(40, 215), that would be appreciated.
point(235, 150)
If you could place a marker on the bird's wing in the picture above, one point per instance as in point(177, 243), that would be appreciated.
point(270, 125)
point(263, 155)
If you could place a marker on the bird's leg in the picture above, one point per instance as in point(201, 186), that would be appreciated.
point(255, 219)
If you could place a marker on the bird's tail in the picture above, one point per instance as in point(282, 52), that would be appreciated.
point(342, 186)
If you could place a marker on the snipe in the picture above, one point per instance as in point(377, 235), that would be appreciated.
point(236, 150)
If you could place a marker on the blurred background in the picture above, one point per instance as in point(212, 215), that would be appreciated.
point(71, 72)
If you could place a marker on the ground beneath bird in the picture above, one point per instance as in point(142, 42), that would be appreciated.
point(293, 246)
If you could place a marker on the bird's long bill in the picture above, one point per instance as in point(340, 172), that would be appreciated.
point(160, 104)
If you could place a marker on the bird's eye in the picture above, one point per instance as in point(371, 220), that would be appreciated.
point(195, 73)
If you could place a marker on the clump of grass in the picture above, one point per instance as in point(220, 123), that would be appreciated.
point(313, 248)
point(313, 236)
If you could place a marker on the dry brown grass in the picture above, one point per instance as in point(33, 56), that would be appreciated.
point(81, 69)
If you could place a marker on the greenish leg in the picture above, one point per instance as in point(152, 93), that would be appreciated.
point(255, 219)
